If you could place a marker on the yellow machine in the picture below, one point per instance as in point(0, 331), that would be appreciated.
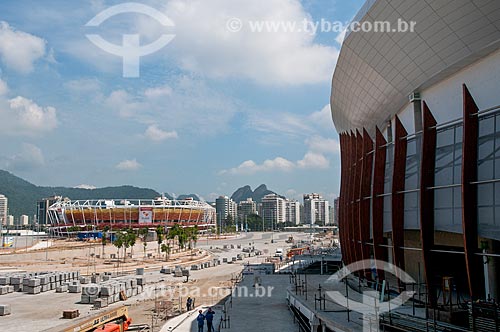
point(118, 318)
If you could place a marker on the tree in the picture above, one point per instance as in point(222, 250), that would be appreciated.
point(254, 222)
point(104, 239)
point(182, 238)
point(193, 236)
point(177, 232)
point(131, 239)
point(159, 237)
point(126, 244)
point(118, 243)
point(143, 234)
point(166, 249)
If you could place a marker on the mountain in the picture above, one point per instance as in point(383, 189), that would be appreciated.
point(246, 192)
point(23, 195)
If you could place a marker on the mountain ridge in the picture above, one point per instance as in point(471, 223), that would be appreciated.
point(242, 193)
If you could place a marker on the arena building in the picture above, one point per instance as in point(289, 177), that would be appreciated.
point(65, 214)
point(419, 122)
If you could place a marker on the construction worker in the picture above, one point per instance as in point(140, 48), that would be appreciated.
point(189, 303)
point(201, 321)
point(209, 316)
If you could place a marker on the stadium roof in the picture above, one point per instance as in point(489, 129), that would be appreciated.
point(376, 72)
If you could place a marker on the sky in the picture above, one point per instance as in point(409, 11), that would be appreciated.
point(218, 107)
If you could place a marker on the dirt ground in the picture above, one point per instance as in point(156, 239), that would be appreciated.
point(88, 258)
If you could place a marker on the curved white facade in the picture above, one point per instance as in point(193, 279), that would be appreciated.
point(376, 72)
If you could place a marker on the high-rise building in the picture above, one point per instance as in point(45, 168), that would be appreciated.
point(246, 208)
point(292, 211)
point(10, 220)
point(42, 209)
point(225, 207)
point(316, 209)
point(336, 212)
point(24, 220)
point(3, 209)
point(273, 210)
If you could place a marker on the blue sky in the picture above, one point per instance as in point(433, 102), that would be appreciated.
point(211, 111)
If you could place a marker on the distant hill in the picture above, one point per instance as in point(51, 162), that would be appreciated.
point(23, 195)
point(193, 196)
point(246, 192)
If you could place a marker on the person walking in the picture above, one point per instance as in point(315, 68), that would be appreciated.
point(201, 321)
point(209, 316)
point(189, 303)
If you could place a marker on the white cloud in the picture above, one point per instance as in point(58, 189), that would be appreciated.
point(250, 167)
point(313, 160)
point(323, 145)
point(291, 124)
point(22, 116)
point(204, 45)
point(341, 36)
point(322, 118)
point(29, 157)
point(190, 105)
point(156, 134)
point(128, 165)
point(279, 123)
point(123, 102)
point(19, 50)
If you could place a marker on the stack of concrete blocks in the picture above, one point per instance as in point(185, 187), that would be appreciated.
point(62, 289)
point(108, 291)
point(34, 282)
point(75, 287)
point(17, 283)
point(4, 309)
point(178, 272)
point(90, 292)
point(5, 287)
point(166, 270)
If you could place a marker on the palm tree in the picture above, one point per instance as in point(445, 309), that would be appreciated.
point(118, 243)
point(174, 232)
point(131, 239)
point(194, 235)
point(182, 238)
point(166, 249)
point(159, 236)
point(104, 239)
point(143, 234)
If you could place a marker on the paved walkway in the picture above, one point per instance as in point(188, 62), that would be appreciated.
point(252, 309)
point(187, 321)
point(269, 313)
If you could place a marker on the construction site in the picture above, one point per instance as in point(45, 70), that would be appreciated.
point(69, 285)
